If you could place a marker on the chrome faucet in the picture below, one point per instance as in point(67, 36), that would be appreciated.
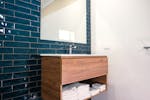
point(71, 46)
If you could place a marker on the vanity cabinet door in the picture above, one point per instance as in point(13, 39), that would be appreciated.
point(78, 69)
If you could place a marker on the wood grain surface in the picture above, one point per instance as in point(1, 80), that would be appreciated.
point(59, 71)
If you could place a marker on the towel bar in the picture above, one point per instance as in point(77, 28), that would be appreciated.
point(147, 48)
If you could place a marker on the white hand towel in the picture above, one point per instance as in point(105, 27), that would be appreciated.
point(83, 91)
point(69, 92)
point(102, 87)
point(70, 96)
point(94, 91)
point(96, 85)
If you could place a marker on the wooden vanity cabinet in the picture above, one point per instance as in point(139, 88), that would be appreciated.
point(61, 70)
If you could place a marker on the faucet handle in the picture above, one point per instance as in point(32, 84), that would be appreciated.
point(71, 46)
point(74, 46)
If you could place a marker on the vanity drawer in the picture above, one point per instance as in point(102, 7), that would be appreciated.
point(78, 69)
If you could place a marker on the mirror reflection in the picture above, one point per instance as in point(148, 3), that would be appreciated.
point(63, 20)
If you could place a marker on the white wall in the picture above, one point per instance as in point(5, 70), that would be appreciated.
point(120, 29)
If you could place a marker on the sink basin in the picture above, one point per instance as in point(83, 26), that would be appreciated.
point(69, 55)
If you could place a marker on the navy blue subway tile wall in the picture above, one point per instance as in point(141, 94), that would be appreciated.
point(20, 46)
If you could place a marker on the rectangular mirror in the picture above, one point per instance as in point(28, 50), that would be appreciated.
point(63, 20)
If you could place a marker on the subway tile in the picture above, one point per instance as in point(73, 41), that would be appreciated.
point(17, 20)
point(15, 94)
point(35, 34)
point(39, 98)
point(26, 16)
point(30, 85)
point(39, 8)
point(36, 89)
point(16, 44)
point(6, 50)
point(35, 78)
point(15, 57)
point(5, 76)
point(20, 62)
point(35, 56)
point(24, 74)
point(27, 5)
point(39, 94)
point(51, 51)
point(6, 37)
point(14, 69)
point(5, 63)
point(35, 2)
point(26, 39)
point(36, 13)
point(46, 41)
point(39, 61)
point(37, 24)
point(15, 81)
point(25, 27)
point(10, 25)
point(58, 46)
point(33, 39)
point(6, 12)
point(40, 45)
point(0, 72)
point(26, 51)
point(22, 97)
point(5, 89)
point(61, 51)
point(38, 29)
point(17, 8)
point(19, 87)
point(31, 62)
point(39, 72)
point(26, 0)
point(39, 83)
point(18, 32)
point(0, 56)
point(24, 62)
point(10, 1)
point(24, 86)
point(1, 44)
point(35, 67)
point(19, 38)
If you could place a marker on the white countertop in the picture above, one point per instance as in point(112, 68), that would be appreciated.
point(70, 55)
